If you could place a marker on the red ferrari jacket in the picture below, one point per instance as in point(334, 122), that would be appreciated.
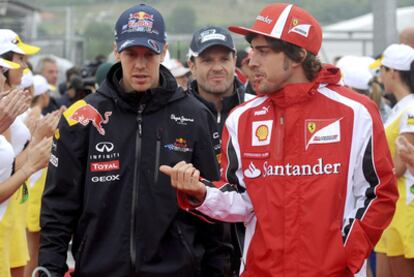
point(308, 170)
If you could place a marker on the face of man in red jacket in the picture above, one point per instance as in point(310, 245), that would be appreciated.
point(272, 70)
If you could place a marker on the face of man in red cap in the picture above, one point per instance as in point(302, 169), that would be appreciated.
point(272, 70)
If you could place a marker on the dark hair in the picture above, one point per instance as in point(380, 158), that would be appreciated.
point(310, 63)
point(72, 71)
point(7, 56)
point(407, 77)
point(192, 58)
point(241, 55)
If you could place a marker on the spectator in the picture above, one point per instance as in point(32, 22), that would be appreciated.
point(395, 250)
point(407, 36)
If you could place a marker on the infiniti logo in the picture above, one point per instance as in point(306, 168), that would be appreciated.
point(104, 146)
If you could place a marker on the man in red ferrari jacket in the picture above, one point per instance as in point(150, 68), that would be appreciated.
point(305, 165)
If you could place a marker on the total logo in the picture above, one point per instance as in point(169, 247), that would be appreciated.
point(318, 168)
point(104, 147)
point(104, 166)
point(104, 179)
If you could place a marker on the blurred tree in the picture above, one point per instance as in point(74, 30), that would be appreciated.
point(182, 20)
point(99, 39)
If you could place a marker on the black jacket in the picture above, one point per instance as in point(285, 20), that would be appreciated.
point(228, 102)
point(237, 230)
point(104, 187)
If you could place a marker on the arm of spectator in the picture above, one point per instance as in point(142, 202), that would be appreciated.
point(37, 159)
point(12, 104)
point(32, 118)
point(46, 126)
point(405, 151)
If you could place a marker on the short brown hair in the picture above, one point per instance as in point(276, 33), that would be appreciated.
point(311, 64)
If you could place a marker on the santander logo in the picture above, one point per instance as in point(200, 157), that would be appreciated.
point(320, 167)
point(252, 172)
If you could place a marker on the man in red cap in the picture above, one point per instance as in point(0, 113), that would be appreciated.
point(305, 165)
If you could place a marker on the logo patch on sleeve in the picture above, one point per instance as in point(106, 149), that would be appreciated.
point(83, 113)
point(322, 131)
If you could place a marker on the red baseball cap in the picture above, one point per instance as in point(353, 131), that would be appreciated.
point(286, 22)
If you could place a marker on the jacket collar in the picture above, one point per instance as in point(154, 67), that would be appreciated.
point(229, 102)
point(297, 93)
point(154, 99)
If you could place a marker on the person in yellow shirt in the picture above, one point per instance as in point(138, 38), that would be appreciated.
point(395, 250)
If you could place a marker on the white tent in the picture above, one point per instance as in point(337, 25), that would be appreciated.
point(354, 36)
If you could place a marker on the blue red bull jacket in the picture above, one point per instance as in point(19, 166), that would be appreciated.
point(104, 188)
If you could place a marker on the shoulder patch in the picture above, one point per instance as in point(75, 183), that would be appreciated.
point(71, 111)
point(84, 113)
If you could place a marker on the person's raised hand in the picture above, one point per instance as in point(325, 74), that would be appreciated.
point(38, 156)
point(46, 126)
point(185, 178)
point(12, 103)
point(405, 150)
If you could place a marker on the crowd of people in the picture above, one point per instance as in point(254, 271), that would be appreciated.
point(254, 162)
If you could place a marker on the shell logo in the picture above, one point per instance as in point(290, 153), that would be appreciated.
point(262, 132)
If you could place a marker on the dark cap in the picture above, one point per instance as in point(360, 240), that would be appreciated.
point(140, 25)
point(210, 36)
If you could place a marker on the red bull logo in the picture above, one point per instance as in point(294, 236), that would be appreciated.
point(140, 20)
point(141, 16)
point(87, 113)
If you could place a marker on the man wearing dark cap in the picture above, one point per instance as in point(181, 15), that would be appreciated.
point(212, 61)
point(103, 185)
point(305, 165)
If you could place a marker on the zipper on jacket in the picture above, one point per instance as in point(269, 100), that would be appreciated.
point(135, 188)
point(79, 254)
point(157, 155)
point(218, 117)
point(186, 246)
point(280, 134)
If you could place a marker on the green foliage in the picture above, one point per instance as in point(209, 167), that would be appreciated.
point(182, 20)
point(99, 39)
